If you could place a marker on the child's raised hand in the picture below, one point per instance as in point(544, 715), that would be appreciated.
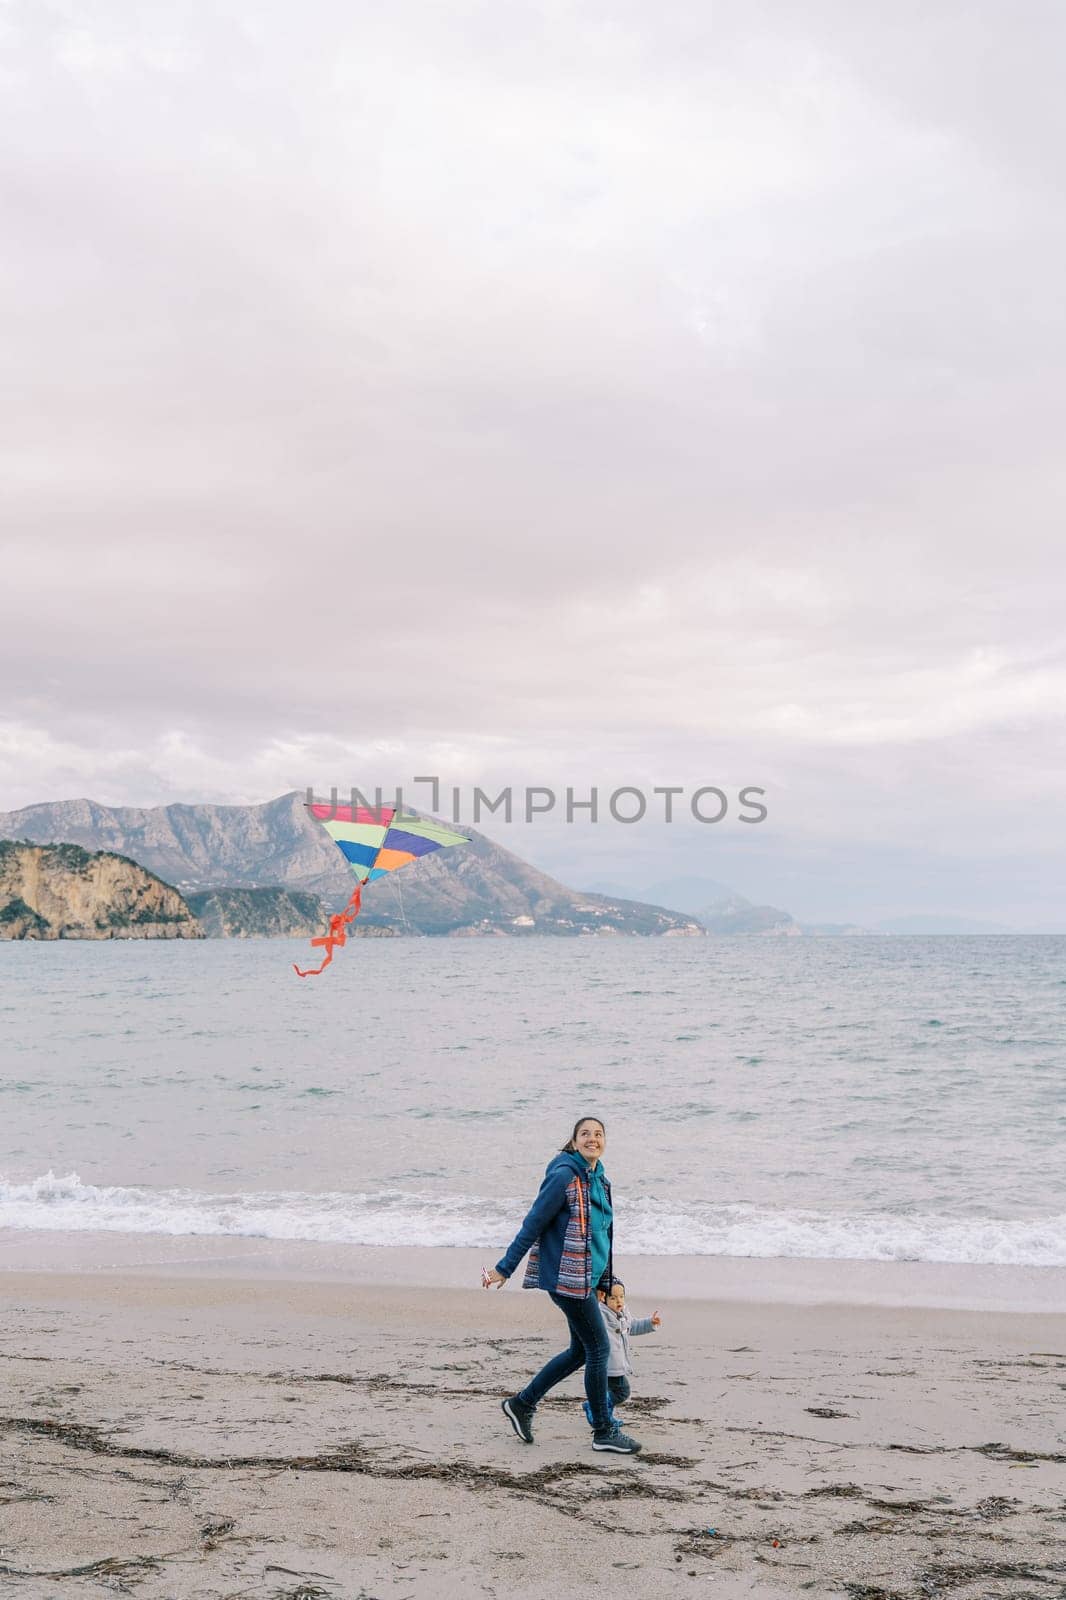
point(656, 1320)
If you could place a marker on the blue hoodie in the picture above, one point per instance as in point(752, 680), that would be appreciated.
point(559, 1231)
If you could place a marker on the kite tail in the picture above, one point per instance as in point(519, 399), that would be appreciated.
point(336, 937)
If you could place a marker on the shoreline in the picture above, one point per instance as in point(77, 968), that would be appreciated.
point(103, 1293)
point(764, 1281)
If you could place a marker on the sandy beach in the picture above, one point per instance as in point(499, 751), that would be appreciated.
point(191, 1432)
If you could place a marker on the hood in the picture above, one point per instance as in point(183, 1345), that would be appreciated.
point(567, 1158)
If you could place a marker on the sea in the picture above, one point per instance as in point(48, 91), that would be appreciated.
point(850, 1099)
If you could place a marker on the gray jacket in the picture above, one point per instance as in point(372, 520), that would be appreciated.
point(619, 1331)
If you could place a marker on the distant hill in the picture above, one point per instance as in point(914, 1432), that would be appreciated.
point(726, 913)
point(477, 888)
point(258, 913)
point(61, 891)
point(719, 908)
point(746, 918)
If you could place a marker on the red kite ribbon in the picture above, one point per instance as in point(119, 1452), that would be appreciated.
point(336, 937)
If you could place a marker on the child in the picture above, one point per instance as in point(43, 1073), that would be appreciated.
point(620, 1327)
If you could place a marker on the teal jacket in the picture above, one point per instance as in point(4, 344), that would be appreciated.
point(557, 1233)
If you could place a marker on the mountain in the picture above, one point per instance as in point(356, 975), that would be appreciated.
point(477, 888)
point(197, 847)
point(258, 913)
point(747, 918)
point(718, 907)
point(60, 891)
point(724, 912)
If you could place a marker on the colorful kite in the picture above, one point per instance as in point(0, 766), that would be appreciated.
point(373, 843)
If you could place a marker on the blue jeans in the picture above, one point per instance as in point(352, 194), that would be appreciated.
point(588, 1348)
point(618, 1392)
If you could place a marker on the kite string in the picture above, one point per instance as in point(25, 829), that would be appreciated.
point(399, 895)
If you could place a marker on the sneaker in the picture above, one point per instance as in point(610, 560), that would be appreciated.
point(587, 1409)
point(520, 1417)
point(614, 1439)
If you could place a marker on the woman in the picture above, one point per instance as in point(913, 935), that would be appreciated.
point(569, 1234)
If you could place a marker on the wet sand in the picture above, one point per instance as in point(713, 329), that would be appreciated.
point(208, 1435)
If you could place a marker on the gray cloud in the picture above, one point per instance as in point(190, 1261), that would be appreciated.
point(548, 390)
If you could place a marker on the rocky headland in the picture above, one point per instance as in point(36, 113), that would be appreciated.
point(62, 891)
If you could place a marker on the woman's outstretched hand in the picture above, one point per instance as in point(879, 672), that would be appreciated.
point(490, 1277)
point(656, 1320)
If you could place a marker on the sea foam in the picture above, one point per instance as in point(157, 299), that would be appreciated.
point(643, 1227)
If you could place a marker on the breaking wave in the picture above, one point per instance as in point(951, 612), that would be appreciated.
point(400, 1217)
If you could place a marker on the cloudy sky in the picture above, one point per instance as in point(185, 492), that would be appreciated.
point(557, 393)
